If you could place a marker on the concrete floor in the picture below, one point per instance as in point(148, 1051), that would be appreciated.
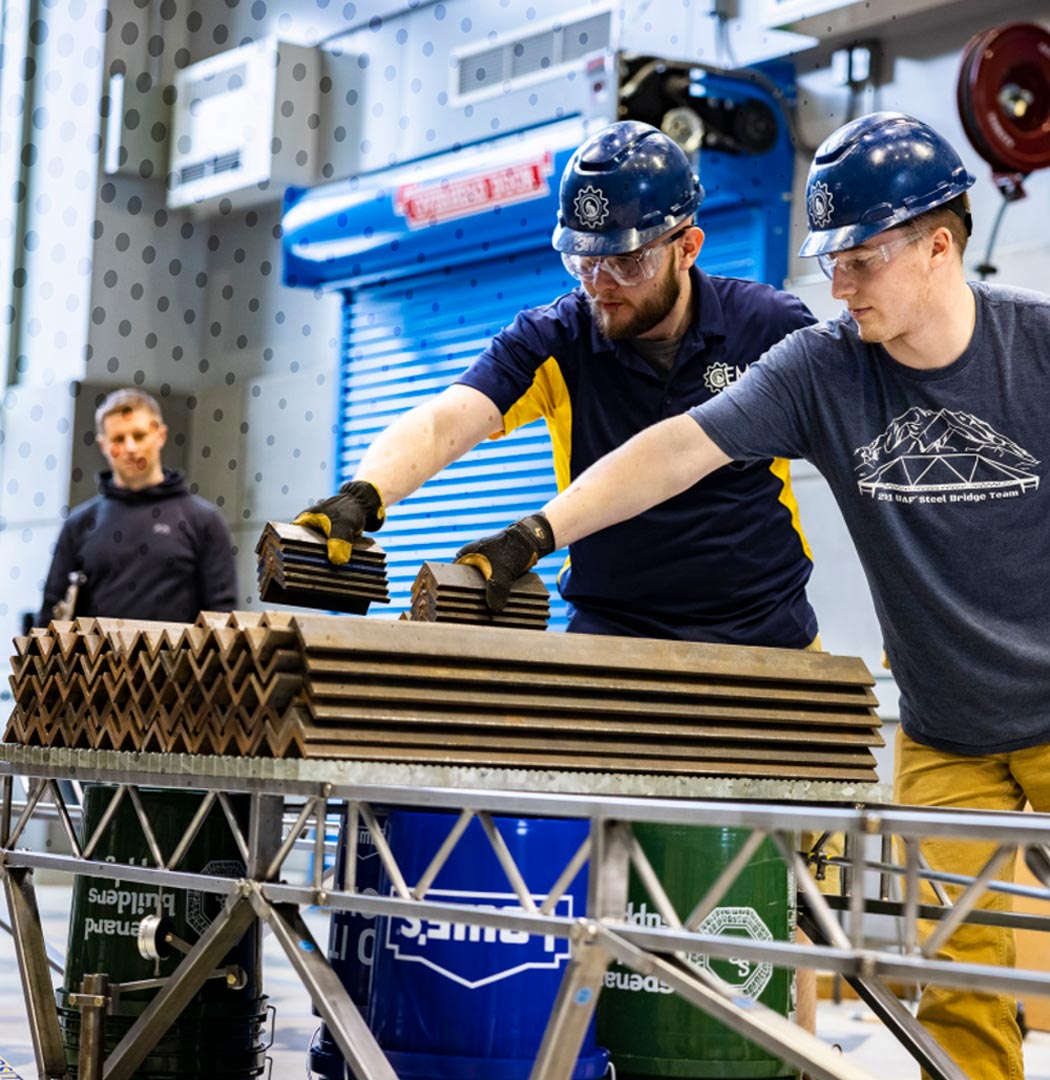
point(862, 1038)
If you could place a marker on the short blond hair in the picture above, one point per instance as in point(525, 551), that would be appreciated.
point(125, 400)
point(953, 216)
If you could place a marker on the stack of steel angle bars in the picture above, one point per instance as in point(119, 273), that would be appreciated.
point(454, 593)
point(294, 569)
point(293, 685)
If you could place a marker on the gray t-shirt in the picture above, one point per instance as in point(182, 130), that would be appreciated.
point(941, 478)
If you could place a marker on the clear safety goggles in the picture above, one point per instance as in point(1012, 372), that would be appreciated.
point(630, 269)
point(864, 261)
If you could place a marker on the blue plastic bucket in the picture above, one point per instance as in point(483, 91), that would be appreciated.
point(451, 1001)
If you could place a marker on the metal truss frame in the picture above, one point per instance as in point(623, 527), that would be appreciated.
point(840, 925)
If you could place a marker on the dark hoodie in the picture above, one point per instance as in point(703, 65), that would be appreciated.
point(159, 553)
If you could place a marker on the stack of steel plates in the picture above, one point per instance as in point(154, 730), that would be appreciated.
point(294, 569)
point(455, 593)
point(304, 685)
point(476, 696)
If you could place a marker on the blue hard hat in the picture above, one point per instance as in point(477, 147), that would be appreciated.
point(875, 173)
point(625, 186)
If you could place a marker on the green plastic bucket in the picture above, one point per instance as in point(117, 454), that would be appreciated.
point(220, 1032)
point(650, 1031)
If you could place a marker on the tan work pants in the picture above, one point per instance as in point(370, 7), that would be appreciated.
point(979, 1030)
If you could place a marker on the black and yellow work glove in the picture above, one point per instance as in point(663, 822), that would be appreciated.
point(357, 508)
point(504, 557)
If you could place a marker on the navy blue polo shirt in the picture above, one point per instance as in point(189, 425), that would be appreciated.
point(724, 561)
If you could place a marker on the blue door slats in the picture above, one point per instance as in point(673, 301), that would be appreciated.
point(402, 344)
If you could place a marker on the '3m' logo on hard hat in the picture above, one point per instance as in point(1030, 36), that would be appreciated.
point(475, 956)
point(591, 206)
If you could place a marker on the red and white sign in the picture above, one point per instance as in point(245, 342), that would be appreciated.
point(430, 204)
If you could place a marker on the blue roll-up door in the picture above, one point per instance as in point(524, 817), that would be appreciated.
point(406, 340)
point(403, 343)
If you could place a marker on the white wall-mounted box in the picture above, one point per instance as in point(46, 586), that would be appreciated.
point(244, 125)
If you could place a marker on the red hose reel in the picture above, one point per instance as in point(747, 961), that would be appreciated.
point(1003, 95)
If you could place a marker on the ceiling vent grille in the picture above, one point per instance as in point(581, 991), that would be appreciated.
point(529, 57)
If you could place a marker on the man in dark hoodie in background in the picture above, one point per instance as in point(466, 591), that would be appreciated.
point(144, 547)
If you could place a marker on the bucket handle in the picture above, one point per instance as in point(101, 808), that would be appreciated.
point(272, 1010)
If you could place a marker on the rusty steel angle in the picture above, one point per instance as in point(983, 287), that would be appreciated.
point(236, 662)
point(279, 621)
point(299, 534)
point(495, 621)
point(461, 576)
point(272, 593)
point(474, 600)
point(245, 620)
point(316, 557)
point(21, 666)
point(67, 650)
point(44, 643)
point(355, 570)
point(266, 641)
point(344, 585)
point(658, 748)
point(382, 715)
point(16, 730)
point(479, 616)
point(213, 620)
point(321, 633)
point(339, 700)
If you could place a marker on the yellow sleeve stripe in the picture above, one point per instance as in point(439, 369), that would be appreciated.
point(781, 469)
point(548, 396)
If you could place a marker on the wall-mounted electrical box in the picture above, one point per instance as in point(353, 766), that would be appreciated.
point(244, 125)
point(530, 56)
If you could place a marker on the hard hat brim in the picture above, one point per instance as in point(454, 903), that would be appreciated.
point(620, 242)
point(577, 242)
point(828, 241)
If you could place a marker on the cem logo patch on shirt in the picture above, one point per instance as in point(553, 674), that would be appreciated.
point(162, 527)
point(719, 375)
point(944, 456)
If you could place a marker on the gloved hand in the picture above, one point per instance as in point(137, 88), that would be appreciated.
point(342, 518)
point(504, 557)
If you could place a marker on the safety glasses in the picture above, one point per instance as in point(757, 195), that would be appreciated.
point(630, 269)
point(864, 261)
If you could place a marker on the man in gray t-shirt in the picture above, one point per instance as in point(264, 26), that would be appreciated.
point(924, 405)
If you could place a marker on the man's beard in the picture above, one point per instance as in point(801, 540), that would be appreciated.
point(641, 319)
